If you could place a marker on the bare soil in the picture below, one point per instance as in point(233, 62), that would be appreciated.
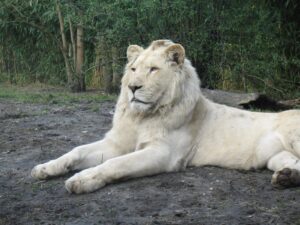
point(35, 133)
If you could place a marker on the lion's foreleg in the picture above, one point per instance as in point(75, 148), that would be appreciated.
point(287, 169)
point(145, 162)
point(81, 157)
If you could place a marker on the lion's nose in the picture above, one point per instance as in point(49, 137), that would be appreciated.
point(133, 88)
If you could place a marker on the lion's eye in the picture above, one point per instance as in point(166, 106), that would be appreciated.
point(152, 69)
point(133, 69)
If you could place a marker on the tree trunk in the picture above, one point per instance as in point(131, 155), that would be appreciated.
point(80, 59)
point(116, 72)
point(97, 80)
point(107, 69)
point(2, 61)
point(72, 42)
point(12, 76)
point(64, 48)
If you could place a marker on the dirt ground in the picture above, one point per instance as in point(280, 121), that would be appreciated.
point(35, 133)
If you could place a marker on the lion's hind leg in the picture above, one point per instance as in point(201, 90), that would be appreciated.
point(287, 170)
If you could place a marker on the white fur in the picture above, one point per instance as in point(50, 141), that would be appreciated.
point(175, 127)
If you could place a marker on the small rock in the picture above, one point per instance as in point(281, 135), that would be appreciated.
point(179, 213)
point(250, 211)
point(155, 214)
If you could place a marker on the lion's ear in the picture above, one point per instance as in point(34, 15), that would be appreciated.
point(133, 51)
point(175, 53)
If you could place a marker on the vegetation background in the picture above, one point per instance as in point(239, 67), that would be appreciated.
point(244, 45)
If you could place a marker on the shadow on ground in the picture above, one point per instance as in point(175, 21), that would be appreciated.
point(36, 133)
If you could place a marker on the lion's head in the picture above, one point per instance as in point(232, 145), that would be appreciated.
point(157, 77)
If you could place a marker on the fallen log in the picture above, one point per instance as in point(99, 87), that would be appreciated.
point(293, 103)
point(247, 100)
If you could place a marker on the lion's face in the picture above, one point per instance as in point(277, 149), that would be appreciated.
point(152, 74)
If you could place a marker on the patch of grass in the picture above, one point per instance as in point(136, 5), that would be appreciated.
point(3, 220)
point(33, 94)
point(35, 186)
point(95, 108)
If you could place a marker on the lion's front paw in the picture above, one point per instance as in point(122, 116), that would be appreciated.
point(84, 183)
point(286, 178)
point(39, 172)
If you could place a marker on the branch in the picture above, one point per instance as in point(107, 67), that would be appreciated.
point(102, 64)
point(266, 83)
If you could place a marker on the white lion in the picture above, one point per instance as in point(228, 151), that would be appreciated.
point(163, 123)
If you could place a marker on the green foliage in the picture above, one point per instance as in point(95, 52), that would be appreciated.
point(246, 45)
point(27, 42)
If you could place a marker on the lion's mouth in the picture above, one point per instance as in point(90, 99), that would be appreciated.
point(134, 99)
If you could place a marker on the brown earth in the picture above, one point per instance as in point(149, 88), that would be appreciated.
point(35, 133)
